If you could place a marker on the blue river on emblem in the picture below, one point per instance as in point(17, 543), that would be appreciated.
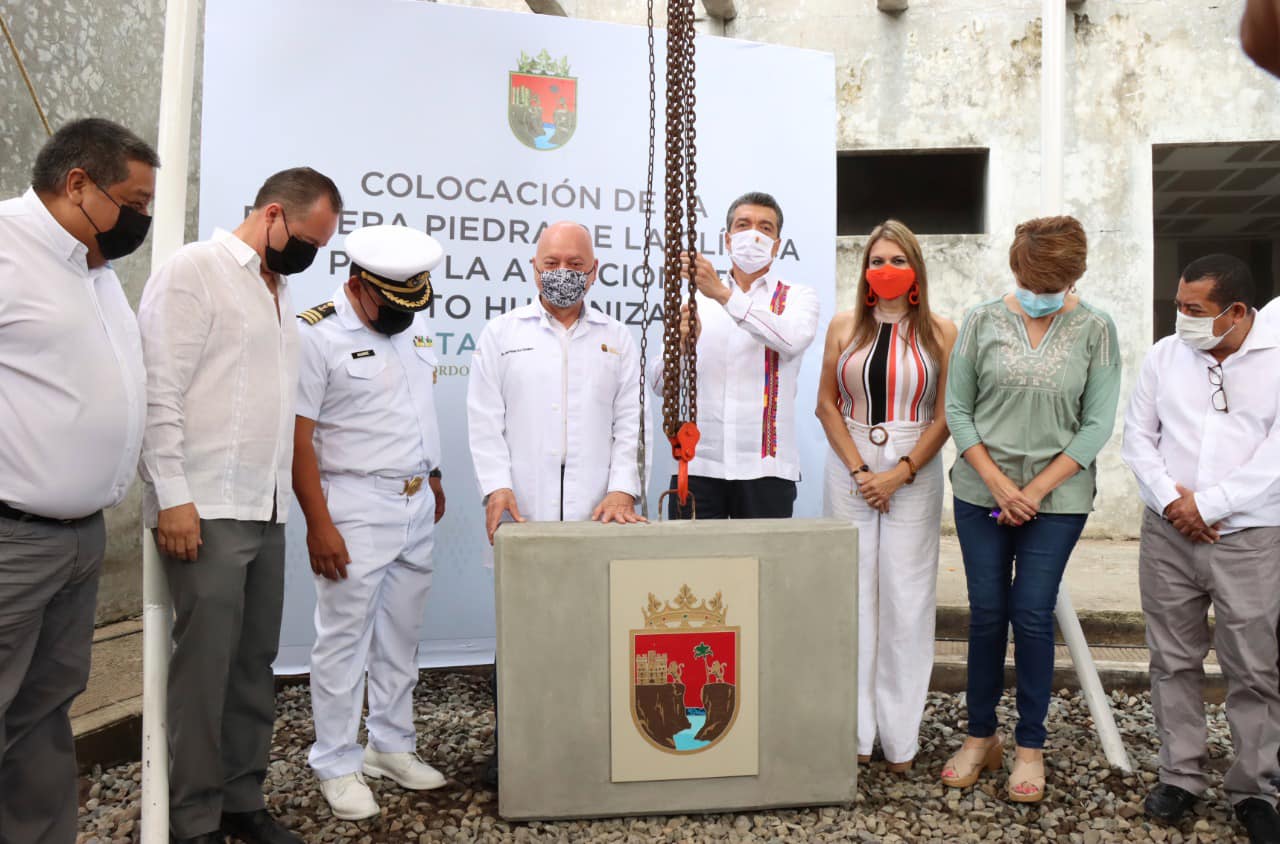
point(544, 140)
point(685, 738)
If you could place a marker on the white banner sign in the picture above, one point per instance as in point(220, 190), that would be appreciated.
point(481, 127)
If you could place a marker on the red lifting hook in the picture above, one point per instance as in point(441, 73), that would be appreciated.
point(683, 445)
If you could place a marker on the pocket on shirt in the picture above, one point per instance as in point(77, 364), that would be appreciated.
point(366, 367)
point(604, 379)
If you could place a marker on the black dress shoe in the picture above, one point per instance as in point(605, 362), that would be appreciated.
point(1168, 803)
point(257, 828)
point(1260, 820)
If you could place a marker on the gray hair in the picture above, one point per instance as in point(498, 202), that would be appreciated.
point(754, 198)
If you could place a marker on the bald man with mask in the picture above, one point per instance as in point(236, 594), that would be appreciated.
point(553, 403)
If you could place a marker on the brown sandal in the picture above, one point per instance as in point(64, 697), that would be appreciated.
point(969, 763)
point(1026, 773)
point(900, 767)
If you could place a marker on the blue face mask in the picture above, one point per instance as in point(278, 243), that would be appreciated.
point(1039, 304)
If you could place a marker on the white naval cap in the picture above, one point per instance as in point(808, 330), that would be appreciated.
point(397, 260)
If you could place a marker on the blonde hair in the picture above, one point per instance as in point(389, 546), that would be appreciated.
point(919, 318)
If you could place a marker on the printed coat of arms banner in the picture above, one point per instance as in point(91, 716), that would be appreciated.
point(684, 668)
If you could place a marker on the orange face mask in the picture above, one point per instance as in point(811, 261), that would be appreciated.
point(890, 282)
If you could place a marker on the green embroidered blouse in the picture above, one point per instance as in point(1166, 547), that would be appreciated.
point(1028, 405)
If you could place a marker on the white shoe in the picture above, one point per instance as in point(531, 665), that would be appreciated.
point(349, 798)
point(406, 769)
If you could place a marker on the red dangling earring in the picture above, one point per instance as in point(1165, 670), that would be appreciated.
point(913, 295)
point(872, 299)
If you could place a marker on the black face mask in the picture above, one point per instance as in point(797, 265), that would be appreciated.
point(296, 256)
point(126, 235)
point(389, 321)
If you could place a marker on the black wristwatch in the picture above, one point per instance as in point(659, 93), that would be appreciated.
point(435, 473)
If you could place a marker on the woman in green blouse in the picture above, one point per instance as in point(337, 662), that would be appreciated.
point(1031, 398)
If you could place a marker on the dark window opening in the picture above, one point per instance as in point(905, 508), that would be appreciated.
point(1208, 198)
point(931, 191)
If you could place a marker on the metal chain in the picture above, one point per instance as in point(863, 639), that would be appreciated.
point(691, 203)
point(646, 320)
point(679, 387)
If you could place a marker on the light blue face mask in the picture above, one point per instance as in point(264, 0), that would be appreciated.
point(1039, 304)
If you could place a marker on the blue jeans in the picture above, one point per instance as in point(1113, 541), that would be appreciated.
point(999, 596)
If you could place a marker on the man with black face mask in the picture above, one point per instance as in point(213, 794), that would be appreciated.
point(221, 346)
point(366, 470)
point(72, 401)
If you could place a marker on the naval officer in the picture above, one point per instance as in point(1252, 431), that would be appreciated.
point(366, 474)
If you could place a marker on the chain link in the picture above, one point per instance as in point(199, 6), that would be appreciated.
point(679, 359)
point(646, 319)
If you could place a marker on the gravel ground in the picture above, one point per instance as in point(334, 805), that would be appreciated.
point(1086, 802)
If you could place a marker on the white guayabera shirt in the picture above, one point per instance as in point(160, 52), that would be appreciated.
point(749, 356)
point(222, 374)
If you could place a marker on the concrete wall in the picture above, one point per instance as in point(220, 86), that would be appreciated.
point(946, 73)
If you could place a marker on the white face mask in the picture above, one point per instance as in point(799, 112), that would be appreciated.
point(751, 250)
point(1197, 332)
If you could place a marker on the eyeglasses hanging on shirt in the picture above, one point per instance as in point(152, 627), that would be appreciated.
point(1219, 396)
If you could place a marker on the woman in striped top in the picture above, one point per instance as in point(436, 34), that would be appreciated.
point(881, 403)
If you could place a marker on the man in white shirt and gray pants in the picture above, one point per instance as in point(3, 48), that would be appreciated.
point(73, 401)
point(221, 345)
point(1202, 436)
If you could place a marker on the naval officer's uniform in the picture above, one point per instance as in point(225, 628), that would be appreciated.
point(369, 393)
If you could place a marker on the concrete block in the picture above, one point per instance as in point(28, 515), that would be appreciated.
point(552, 584)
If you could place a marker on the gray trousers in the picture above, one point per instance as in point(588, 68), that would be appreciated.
point(227, 606)
point(1240, 576)
point(48, 587)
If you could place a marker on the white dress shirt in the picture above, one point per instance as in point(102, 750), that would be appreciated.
point(222, 373)
point(72, 384)
point(1173, 434)
point(1269, 318)
point(369, 394)
point(749, 355)
point(528, 394)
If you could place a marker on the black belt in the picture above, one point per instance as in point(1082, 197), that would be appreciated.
point(14, 513)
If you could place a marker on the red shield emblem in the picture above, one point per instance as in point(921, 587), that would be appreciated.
point(685, 684)
point(542, 102)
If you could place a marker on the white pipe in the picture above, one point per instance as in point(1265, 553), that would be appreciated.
point(168, 231)
point(1091, 685)
point(1052, 104)
point(1053, 36)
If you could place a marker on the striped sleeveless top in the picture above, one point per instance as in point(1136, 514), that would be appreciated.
point(894, 379)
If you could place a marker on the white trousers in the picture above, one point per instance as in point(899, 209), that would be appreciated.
point(897, 589)
point(369, 622)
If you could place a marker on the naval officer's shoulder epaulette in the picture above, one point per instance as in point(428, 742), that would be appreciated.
point(313, 315)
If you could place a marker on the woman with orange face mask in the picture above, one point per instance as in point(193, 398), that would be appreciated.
point(881, 402)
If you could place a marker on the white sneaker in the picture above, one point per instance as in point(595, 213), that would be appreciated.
point(349, 798)
point(403, 768)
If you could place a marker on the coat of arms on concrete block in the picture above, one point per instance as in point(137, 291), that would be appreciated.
point(684, 668)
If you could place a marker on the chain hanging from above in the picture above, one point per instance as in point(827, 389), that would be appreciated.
point(679, 358)
point(647, 199)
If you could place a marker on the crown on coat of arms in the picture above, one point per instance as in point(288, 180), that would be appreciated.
point(685, 610)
